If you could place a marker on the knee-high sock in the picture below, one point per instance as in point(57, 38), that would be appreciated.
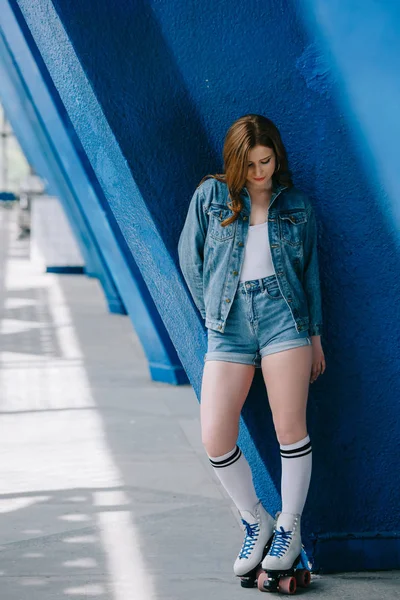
point(296, 475)
point(234, 472)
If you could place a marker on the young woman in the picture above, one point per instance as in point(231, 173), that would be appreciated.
point(248, 252)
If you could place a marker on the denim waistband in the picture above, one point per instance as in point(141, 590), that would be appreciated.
point(255, 285)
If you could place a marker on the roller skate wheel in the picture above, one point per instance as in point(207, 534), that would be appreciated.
point(303, 577)
point(260, 571)
point(260, 581)
point(287, 585)
point(247, 582)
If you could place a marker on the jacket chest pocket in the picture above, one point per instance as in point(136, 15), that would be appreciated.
point(217, 214)
point(292, 226)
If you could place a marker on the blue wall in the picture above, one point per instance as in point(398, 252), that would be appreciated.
point(151, 89)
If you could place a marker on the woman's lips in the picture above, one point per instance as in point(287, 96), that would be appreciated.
point(259, 179)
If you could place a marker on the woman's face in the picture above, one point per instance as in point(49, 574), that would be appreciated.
point(261, 167)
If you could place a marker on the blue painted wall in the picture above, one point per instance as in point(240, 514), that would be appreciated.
point(151, 89)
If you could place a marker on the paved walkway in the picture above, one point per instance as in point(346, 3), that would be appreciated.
point(105, 490)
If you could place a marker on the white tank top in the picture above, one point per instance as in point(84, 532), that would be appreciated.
point(257, 262)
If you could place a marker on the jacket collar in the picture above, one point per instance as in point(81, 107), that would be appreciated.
point(276, 190)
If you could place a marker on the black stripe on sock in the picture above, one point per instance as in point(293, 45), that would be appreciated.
point(219, 466)
point(298, 455)
point(227, 461)
point(221, 462)
point(301, 449)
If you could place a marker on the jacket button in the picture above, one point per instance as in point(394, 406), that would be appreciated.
point(228, 300)
point(245, 218)
point(240, 244)
point(219, 326)
point(235, 273)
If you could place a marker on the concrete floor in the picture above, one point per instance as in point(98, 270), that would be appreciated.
point(105, 490)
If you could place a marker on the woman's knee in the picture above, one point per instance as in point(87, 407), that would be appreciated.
point(218, 439)
point(225, 387)
point(219, 428)
point(290, 435)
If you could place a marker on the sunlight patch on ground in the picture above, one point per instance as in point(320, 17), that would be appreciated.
point(47, 449)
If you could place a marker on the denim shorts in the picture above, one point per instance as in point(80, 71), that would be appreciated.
point(259, 323)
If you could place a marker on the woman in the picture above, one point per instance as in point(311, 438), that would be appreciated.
point(248, 252)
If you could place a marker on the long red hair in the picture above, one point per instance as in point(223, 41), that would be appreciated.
point(244, 134)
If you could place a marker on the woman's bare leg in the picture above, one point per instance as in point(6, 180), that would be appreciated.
point(225, 387)
point(287, 376)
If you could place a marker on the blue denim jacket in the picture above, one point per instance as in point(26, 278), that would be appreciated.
point(211, 256)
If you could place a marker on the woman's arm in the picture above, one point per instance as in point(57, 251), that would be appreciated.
point(191, 248)
point(311, 281)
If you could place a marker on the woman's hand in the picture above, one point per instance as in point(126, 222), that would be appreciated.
point(318, 358)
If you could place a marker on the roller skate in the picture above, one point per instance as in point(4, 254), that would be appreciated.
point(259, 528)
point(281, 572)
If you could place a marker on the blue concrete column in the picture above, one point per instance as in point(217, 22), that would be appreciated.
point(41, 116)
point(40, 152)
point(354, 64)
point(362, 45)
point(21, 115)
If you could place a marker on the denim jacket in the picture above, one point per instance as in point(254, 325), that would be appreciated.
point(211, 256)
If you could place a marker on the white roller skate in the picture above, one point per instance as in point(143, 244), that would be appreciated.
point(283, 557)
point(259, 528)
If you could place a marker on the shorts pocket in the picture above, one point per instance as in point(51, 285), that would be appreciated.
point(272, 290)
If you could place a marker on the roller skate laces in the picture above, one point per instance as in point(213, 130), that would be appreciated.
point(250, 539)
point(280, 543)
point(286, 543)
point(258, 530)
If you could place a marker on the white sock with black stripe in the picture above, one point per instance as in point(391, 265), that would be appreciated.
point(234, 472)
point(296, 475)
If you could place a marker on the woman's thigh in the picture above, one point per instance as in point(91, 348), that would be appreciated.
point(287, 377)
point(225, 387)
